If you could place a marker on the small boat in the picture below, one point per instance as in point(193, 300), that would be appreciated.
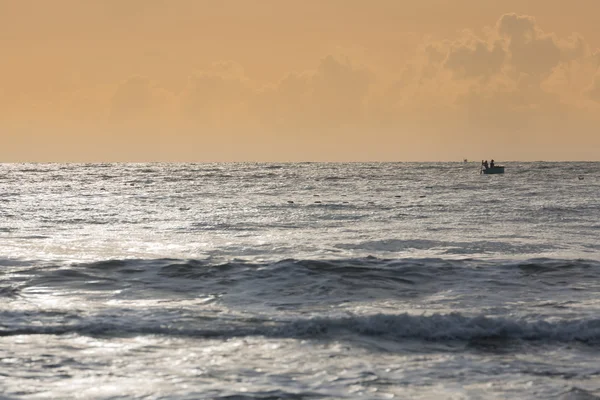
point(496, 169)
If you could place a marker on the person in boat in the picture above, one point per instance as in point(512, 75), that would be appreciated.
point(492, 164)
point(484, 164)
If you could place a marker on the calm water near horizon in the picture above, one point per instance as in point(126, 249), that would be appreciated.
point(300, 281)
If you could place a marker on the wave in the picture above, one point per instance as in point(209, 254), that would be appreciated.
point(435, 328)
point(310, 280)
point(9, 292)
point(449, 247)
point(576, 393)
point(351, 264)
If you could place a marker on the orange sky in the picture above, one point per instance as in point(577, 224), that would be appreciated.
point(292, 80)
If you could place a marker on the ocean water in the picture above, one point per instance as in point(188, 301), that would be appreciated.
point(299, 281)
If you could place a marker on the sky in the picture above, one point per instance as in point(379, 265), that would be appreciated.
point(299, 80)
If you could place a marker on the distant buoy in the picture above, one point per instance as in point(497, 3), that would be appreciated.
point(290, 201)
point(580, 178)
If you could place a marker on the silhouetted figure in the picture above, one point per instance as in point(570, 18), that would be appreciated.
point(485, 164)
point(492, 164)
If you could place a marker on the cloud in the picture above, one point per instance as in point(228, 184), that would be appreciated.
point(138, 98)
point(511, 69)
point(515, 67)
point(301, 105)
point(516, 45)
point(217, 96)
point(333, 94)
point(509, 86)
point(531, 50)
point(503, 81)
point(593, 91)
point(475, 58)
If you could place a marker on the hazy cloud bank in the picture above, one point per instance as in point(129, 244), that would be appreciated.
point(514, 79)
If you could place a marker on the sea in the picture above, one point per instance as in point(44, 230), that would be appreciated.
point(296, 281)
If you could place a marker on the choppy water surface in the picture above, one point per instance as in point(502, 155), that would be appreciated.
point(300, 281)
